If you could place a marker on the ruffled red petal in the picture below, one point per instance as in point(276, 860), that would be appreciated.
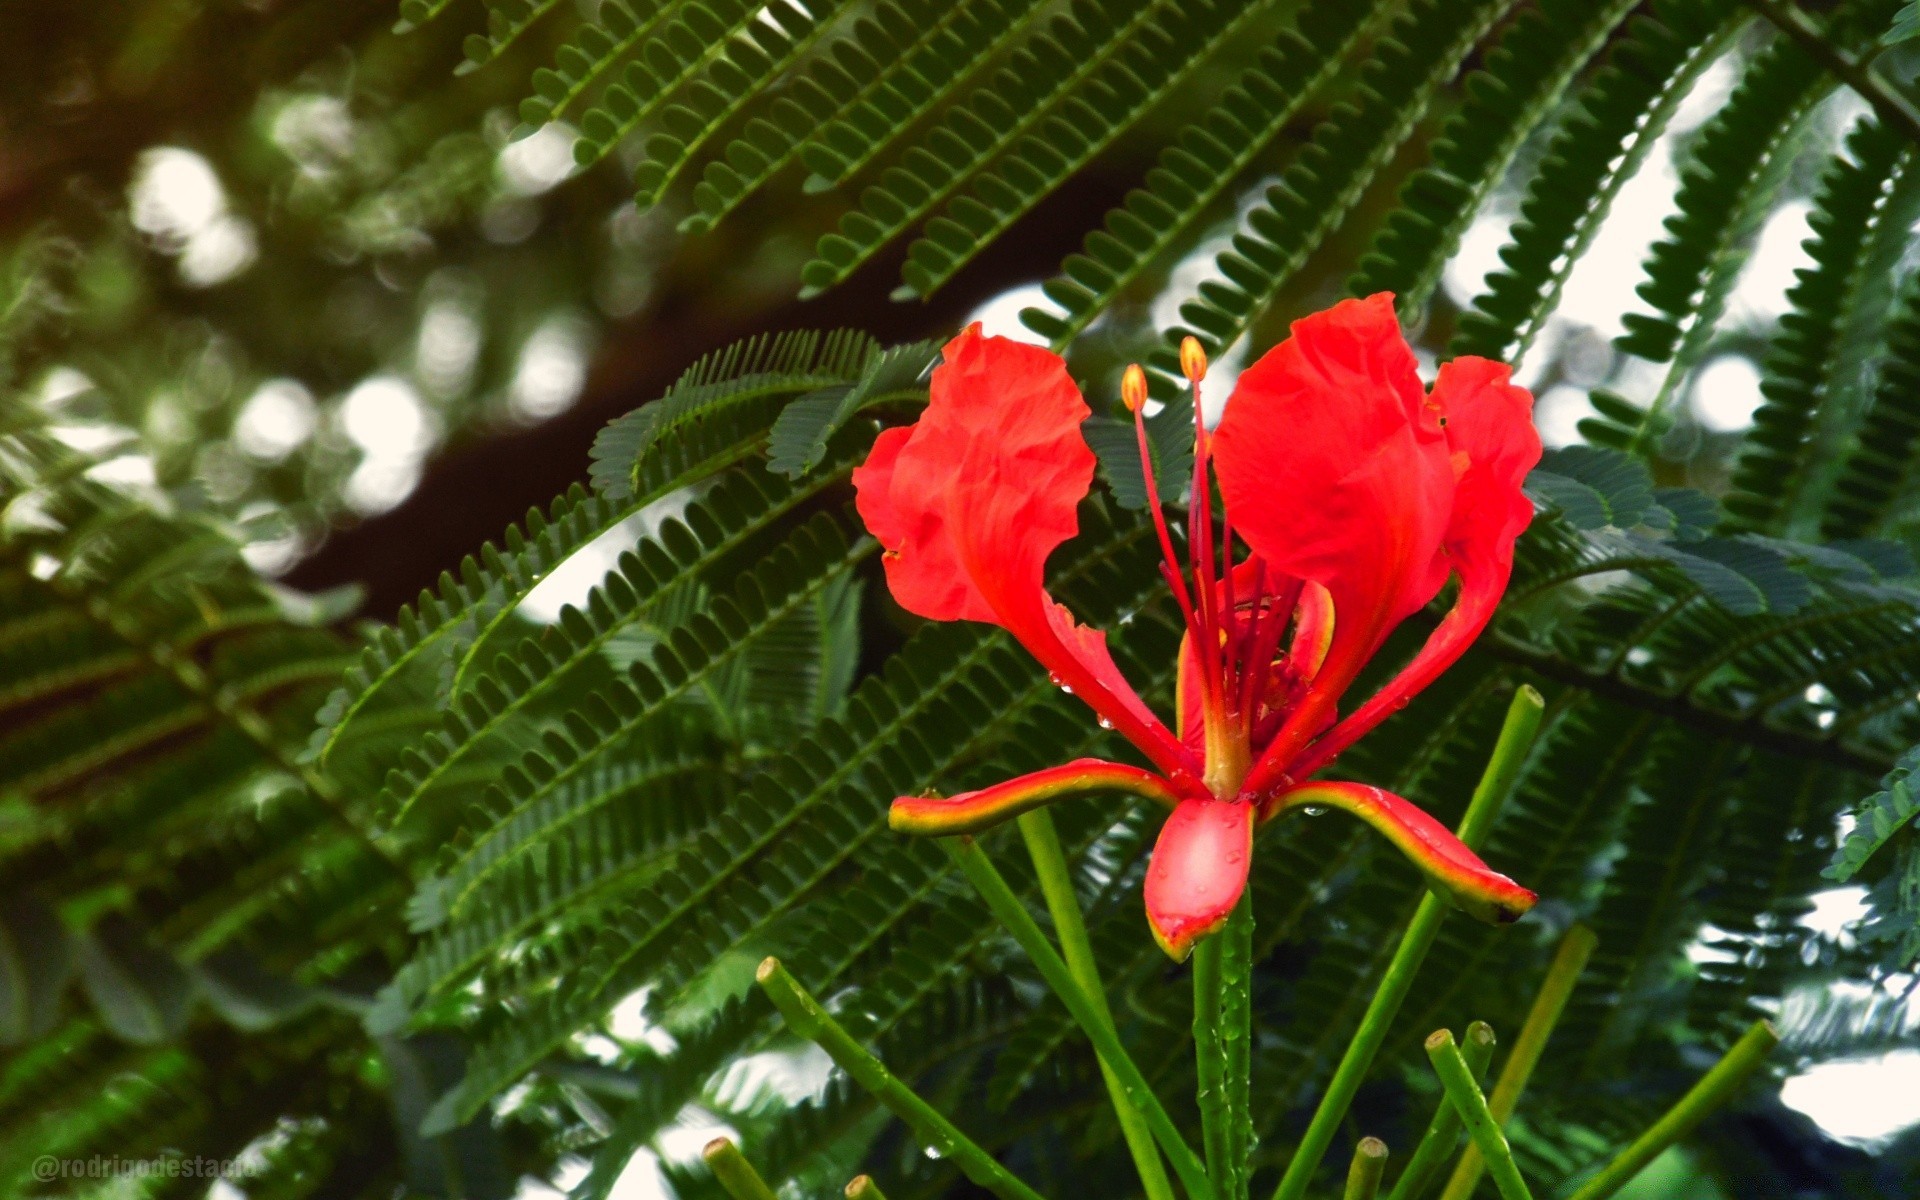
point(1198, 870)
point(971, 499)
point(1336, 469)
point(1494, 443)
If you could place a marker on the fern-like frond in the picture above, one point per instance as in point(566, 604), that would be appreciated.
point(1155, 61)
point(1519, 85)
point(885, 53)
point(595, 48)
point(912, 88)
point(507, 20)
point(1802, 363)
point(740, 506)
point(695, 35)
point(443, 624)
point(799, 437)
point(754, 378)
point(1074, 47)
point(1601, 143)
point(1881, 458)
point(750, 63)
point(1422, 51)
point(809, 814)
point(1877, 820)
point(1196, 170)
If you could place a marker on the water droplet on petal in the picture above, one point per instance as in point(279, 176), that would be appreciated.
point(1314, 810)
point(1105, 724)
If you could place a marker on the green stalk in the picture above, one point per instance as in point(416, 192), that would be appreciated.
point(1568, 961)
point(1369, 1163)
point(1523, 719)
point(736, 1175)
point(1713, 1090)
point(862, 1187)
point(1464, 1094)
point(1056, 884)
point(1222, 1036)
point(1443, 1132)
point(806, 1017)
point(1210, 1058)
point(1012, 914)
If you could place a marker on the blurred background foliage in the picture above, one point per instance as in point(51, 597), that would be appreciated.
point(301, 309)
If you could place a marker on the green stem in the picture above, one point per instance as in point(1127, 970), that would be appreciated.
point(806, 1017)
point(1711, 1092)
point(736, 1175)
point(1210, 1056)
point(1222, 1035)
point(1236, 1032)
point(1568, 961)
point(1369, 1163)
point(1012, 914)
point(862, 1187)
point(1464, 1094)
point(1509, 752)
point(1443, 1132)
point(1056, 884)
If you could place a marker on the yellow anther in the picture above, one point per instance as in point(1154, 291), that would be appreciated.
point(1193, 359)
point(1133, 387)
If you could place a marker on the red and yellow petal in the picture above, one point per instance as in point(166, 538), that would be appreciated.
point(971, 812)
point(1444, 859)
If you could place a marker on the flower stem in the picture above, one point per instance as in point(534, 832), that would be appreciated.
point(1222, 1035)
point(1056, 884)
point(736, 1175)
point(1733, 1070)
point(806, 1017)
point(862, 1187)
point(1523, 719)
point(1568, 961)
point(1443, 1132)
point(1012, 914)
point(1464, 1094)
point(1369, 1164)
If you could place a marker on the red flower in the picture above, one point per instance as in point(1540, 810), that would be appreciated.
point(1356, 492)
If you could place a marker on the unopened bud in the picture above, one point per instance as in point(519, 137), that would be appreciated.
point(1193, 359)
point(1133, 387)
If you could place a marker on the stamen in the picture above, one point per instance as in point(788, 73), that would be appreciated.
point(1193, 364)
point(1193, 359)
point(1133, 393)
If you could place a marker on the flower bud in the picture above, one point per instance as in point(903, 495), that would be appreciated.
point(1133, 387)
point(1193, 359)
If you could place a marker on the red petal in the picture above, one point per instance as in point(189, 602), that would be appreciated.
point(1335, 469)
point(1444, 859)
point(1490, 428)
point(1198, 871)
point(1490, 422)
point(971, 499)
point(970, 812)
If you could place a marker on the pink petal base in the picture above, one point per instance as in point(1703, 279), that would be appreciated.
point(1198, 871)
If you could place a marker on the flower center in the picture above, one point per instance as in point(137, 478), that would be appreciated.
point(1235, 614)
